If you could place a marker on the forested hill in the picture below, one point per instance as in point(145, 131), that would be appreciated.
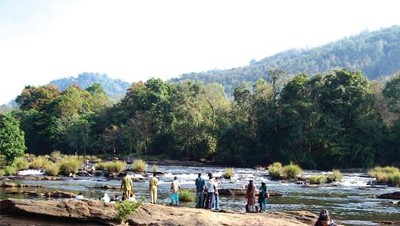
point(376, 54)
point(113, 87)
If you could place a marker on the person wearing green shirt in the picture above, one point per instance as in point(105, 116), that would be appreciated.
point(153, 184)
point(127, 186)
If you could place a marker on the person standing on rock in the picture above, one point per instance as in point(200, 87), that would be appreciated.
point(250, 196)
point(199, 191)
point(153, 184)
point(210, 191)
point(127, 186)
point(262, 197)
point(215, 203)
point(175, 187)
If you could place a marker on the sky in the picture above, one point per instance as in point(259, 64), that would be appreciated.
point(44, 40)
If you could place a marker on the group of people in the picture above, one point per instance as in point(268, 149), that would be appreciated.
point(207, 195)
point(251, 197)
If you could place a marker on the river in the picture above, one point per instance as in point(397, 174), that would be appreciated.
point(350, 201)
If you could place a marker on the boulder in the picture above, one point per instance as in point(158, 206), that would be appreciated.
point(394, 195)
point(88, 212)
point(73, 209)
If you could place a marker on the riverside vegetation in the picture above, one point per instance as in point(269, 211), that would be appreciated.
point(67, 165)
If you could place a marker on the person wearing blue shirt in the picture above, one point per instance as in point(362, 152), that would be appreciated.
point(199, 191)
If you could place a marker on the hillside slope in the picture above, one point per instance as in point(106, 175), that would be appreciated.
point(376, 54)
point(113, 87)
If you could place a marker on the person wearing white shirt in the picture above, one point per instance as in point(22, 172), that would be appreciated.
point(210, 191)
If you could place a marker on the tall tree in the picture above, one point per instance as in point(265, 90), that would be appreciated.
point(12, 141)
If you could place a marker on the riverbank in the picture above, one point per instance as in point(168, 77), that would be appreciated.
point(92, 212)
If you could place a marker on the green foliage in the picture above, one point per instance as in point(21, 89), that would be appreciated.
point(275, 170)
point(318, 179)
point(100, 165)
point(386, 169)
point(375, 53)
point(336, 120)
point(186, 195)
point(55, 154)
point(336, 175)
point(12, 141)
point(126, 208)
point(394, 179)
point(52, 170)
point(114, 167)
point(2, 172)
point(292, 171)
point(386, 175)
point(228, 173)
point(10, 170)
point(70, 165)
point(40, 162)
point(21, 163)
point(139, 165)
point(154, 168)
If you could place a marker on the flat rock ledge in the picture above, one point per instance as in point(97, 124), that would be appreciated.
point(394, 195)
point(93, 212)
point(15, 185)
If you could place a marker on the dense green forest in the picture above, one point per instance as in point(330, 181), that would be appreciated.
point(376, 54)
point(336, 120)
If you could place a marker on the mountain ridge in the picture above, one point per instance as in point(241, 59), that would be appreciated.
point(375, 53)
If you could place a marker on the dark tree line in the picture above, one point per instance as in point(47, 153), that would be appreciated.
point(337, 120)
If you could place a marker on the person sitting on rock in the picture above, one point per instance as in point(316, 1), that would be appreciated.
point(79, 196)
point(324, 219)
point(105, 198)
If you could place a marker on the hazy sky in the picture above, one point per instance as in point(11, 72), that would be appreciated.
point(43, 40)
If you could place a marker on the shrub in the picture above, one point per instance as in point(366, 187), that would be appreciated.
point(335, 176)
point(317, 179)
point(386, 175)
point(21, 163)
point(52, 170)
point(186, 195)
point(292, 171)
point(10, 170)
point(126, 208)
point(100, 166)
point(37, 163)
point(55, 154)
point(275, 170)
point(139, 165)
point(382, 177)
point(70, 165)
point(115, 167)
point(154, 168)
point(95, 159)
point(386, 169)
point(2, 172)
point(228, 173)
point(394, 179)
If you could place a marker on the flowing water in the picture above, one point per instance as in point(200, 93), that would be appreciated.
point(351, 201)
